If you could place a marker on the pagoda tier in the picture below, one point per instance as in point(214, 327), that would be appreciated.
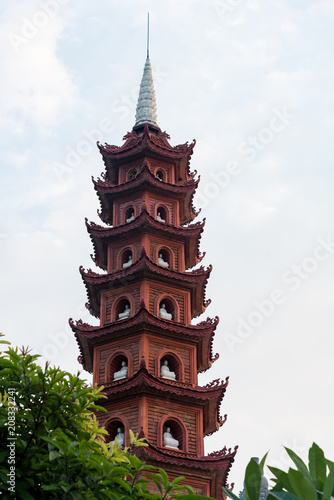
point(146, 185)
point(211, 470)
point(145, 231)
point(151, 280)
point(147, 141)
point(207, 398)
point(90, 339)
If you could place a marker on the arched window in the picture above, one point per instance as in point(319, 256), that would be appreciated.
point(122, 309)
point(129, 214)
point(117, 428)
point(115, 366)
point(161, 214)
point(160, 175)
point(167, 309)
point(132, 174)
point(126, 258)
point(118, 368)
point(169, 366)
point(164, 258)
point(173, 435)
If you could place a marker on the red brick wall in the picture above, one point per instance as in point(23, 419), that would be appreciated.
point(183, 351)
point(130, 345)
point(158, 409)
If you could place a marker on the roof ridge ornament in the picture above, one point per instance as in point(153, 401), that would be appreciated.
point(146, 107)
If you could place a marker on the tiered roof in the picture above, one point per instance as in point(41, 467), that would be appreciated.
point(202, 334)
point(195, 281)
point(109, 192)
point(209, 396)
point(102, 236)
point(150, 142)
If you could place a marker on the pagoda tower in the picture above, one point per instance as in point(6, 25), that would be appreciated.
point(146, 351)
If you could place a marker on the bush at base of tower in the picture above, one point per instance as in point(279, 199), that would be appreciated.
point(51, 446)
point(315, 482)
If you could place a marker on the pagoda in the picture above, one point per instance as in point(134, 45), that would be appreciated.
point(146, 352)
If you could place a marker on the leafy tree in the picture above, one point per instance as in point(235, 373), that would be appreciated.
point(51, 446)
point(315, 482)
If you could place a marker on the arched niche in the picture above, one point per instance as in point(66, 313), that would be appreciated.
point(171, 307)
point(160, 174)
point(132, 174)
point(120, 306)
point(167, 256)
point(111, 426)
point(175, 364)
point(114, 364)
point(162, 214)
point(123, 257)
point(129, 214)
point(177, 429)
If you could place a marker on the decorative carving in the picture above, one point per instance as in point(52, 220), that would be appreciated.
point(212, 385)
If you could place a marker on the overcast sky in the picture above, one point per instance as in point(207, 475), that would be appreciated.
point(252, 81)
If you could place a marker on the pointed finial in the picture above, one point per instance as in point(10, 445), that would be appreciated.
point(146, 107)
point(148, 35)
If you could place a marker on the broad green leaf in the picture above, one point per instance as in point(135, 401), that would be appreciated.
point(330, 464)
point(299, 463)
point(281, 495)
point(282, 477)
point(53, 455)
point(253, 480)
point(328, 490)
point(263, 462)
point(302, 486)
point(317, 465)
point(230, 494)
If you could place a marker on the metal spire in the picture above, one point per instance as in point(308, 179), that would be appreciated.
point(146, 107)
point(148, 35)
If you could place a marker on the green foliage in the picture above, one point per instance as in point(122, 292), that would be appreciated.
point(315, 482)
point(59, 451)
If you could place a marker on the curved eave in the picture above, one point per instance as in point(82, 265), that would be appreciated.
point(217, 468)
point(138, 140)
point(214, 461)
point(202, 334)
point(102, 236)
point(142, 382)
point(194, 281)
point(108, 192)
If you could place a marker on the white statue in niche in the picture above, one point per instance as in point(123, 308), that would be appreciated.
point(169, 441)
point(129, 262)
point(163, 312)
point(159, 218)
point(120, 438)
point(122, 373)
point(131, 218)
point(125, 314)
point(165, 371)
point(158, 176)
point(162, 262)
